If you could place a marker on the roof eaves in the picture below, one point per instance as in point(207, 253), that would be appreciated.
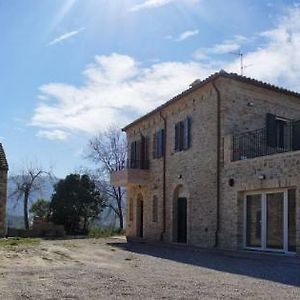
point(3, 160)
point(214, 76)
point(174, 99)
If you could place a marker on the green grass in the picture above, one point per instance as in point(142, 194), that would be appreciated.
point(102, 233)
point(16, 241)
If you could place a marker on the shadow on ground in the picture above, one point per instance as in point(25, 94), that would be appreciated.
point(277, 268)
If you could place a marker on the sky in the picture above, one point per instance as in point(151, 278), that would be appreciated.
point(69, 69)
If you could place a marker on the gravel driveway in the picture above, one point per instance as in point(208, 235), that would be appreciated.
point(113, 269)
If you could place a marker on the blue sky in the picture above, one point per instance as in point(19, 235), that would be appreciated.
point(70, 68)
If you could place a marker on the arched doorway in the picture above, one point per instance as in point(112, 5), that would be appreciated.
point(180, 215)
point(140, 216)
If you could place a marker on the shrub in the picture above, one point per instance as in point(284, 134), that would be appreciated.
point(100, 233)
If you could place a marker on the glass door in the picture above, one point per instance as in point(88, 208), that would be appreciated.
point(270, 221)
point(253, 220)
point(275, 221)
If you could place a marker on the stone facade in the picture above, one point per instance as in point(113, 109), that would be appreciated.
point(3, 190)
point(219, 107)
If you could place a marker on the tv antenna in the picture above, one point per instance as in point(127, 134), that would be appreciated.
point(241, 55)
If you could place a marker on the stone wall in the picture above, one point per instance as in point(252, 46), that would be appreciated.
point(243, 108)
point(3, 196)
point(279, 170)
point(193, 169)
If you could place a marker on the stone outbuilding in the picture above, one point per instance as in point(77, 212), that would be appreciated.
point(3, 190)
point(217, 166)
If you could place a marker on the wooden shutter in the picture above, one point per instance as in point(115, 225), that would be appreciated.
point(132, 155)
point(157, 145)
point(177, 137)
point(181, 135)
point(271, 130)
point(144, 156)
point(162, 139)
point(154, 142)
point(138, 156)
point(187, 133)
point(296, 135)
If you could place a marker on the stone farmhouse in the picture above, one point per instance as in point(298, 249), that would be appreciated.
point(3, 190)
point(217, 166)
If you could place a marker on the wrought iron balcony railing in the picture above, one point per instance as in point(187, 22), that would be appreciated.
point(256, 143)
point(132, 164)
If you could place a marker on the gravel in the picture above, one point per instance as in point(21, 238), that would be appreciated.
point(114, 269)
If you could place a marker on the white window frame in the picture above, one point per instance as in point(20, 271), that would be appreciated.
point(263, 247)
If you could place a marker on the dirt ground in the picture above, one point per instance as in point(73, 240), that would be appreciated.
point(114, 269)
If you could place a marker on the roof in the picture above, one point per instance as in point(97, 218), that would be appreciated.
point(200, 83)
point(3, 161)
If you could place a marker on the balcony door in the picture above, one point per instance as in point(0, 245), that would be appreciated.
point(270, 220)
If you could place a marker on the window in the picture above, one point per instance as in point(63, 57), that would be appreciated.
point(155, 209)
point(159, 144)
point(183, 135)
point(277, 132)
point(139, 154)
point(130, 209)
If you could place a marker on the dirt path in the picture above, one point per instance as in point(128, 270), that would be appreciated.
point(112, 269)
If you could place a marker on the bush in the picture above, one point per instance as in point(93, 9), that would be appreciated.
point(100, 233)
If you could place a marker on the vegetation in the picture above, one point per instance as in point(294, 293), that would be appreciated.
point(25, 184)
point(108, 150)
point(75, 202)
point(40, 209)
point(100, 233)
point(15, 242)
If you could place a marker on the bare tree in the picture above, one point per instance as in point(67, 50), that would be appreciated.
point(27, 181)
point(108, 150)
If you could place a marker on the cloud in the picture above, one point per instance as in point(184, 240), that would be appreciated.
point(116, 89)
point(148, 4)
point(225, 47)
point(185, 35)
point(277, 59)
point(66, 36)
point(53, 134)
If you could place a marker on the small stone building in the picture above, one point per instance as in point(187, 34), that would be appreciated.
point(3, 190)
point(217, 166)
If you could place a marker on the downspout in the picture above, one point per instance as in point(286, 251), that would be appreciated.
point(164, 176)
point(218, 162)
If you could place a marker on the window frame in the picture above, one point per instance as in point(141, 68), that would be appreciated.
point(182, 141)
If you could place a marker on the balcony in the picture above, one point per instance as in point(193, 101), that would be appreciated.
point(131, 172)
point(262, 142)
